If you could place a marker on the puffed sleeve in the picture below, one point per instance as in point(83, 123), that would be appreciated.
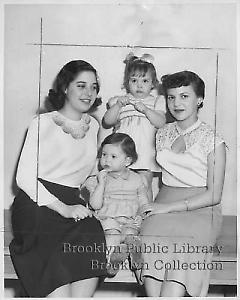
point(160, 103)
point(27, 170)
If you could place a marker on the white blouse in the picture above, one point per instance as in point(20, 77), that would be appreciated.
point(59, 158)
point(188, 168)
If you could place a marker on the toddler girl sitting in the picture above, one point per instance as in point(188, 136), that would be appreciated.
point(116, 194)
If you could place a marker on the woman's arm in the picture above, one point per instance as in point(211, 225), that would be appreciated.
point(212, 196)
point(215, 180)
point(70, 211)
point(28, 167)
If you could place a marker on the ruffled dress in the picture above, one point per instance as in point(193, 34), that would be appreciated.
point(139, 128)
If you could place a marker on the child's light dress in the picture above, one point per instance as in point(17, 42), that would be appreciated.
point(123, 196)
point(139, 128)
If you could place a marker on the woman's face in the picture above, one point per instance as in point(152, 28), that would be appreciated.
point(82, 92)
point(183, 103)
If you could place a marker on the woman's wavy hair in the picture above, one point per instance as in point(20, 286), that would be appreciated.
point(67, 74)
point(184, 78)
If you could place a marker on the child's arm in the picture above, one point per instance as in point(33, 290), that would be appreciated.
point(97, 197)
point(156, 117)
point(111, 116)
point(142, 192)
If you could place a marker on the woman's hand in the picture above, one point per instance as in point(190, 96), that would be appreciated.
point(154, 208)
point(77, 212)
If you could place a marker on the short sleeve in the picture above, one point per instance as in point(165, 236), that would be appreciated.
point(160, 138)
point(210, 141)
point(160, 103)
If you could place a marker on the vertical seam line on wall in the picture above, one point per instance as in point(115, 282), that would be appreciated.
point(215, 128)
point(39, 101)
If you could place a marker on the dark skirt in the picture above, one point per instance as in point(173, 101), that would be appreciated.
point(48, 250)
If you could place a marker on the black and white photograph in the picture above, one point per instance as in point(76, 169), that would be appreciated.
point(119, 148)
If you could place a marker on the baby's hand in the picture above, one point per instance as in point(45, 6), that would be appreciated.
point(123, 100)
point(139, 106)
point(102, 176)
point(137, 221)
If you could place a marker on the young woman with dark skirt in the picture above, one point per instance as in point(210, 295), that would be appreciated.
point(57, 241)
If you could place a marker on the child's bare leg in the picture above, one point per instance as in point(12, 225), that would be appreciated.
point(134, 247)
point(117, 254)
point(113, 238)
point(147, 177)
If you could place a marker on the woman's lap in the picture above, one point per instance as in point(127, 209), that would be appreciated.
point(174, 243)
point(49, 250)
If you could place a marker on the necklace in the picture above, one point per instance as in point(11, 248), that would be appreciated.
point(77, 129)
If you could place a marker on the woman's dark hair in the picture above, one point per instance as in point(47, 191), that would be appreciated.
point(124, 141)
point(136, 65)
point(183, 78)
point(67, 74)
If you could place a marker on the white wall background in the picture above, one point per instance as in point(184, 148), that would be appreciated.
point(179, 36)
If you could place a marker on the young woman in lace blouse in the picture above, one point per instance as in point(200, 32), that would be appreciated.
point(48, 217)
point(186, 213)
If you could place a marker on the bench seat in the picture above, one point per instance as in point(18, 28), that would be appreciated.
point(227, 257)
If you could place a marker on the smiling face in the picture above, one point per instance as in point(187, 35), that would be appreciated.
point(140, 84)
point(183, 105)
point(113, 158)
point(81, 92)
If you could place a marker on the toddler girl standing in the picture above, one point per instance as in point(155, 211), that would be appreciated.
point(139, 113)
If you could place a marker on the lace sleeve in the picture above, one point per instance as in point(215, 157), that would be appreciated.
point(161, 138)
point(210, 140)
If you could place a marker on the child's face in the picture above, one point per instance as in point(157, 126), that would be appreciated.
point(113, 158)
point(140, 85)
point(183, 103)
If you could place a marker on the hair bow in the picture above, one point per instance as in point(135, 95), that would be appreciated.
point(145, 57)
